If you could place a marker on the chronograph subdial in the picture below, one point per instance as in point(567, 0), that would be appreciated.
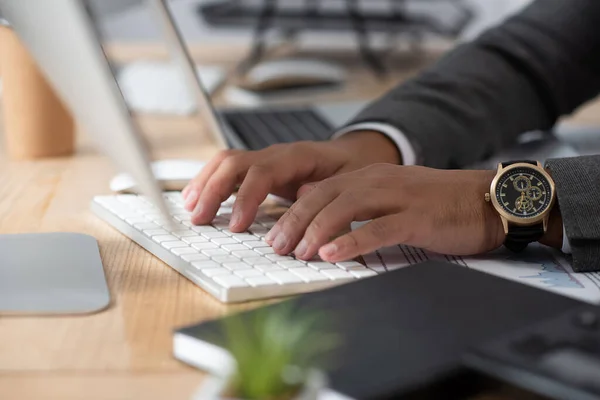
point(534, 193)
point(522, 183)
point(523, 203)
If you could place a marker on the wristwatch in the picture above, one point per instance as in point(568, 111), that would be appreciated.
point(523, 194)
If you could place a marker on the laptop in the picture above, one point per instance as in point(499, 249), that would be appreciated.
point(65, 38)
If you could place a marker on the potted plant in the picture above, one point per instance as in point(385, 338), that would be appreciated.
point(279, 354)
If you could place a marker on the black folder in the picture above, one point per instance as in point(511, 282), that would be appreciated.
point(406, 330)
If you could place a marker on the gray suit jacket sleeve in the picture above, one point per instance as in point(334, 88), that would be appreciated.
point(523, 75)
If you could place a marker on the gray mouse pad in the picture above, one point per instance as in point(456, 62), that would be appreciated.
point(51, 273)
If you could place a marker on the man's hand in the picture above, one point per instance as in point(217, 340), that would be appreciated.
point(439, 210)
point(281, 170)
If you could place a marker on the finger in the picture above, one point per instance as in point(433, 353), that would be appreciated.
point(285, 166)
point(380, 232)
point(335, 217)
point(304, 189)
point(219, 186)
point(253, 191)
point(192, 191)
point(290, 228)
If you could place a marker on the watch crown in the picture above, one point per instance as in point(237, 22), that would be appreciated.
point(487, 197)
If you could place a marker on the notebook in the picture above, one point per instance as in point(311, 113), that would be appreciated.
point(403, 332)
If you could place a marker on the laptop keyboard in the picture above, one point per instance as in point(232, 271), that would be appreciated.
point(260, 129)
point(231, 266)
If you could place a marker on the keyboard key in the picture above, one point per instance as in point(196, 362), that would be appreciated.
point(320, 265)
point(222, 241)
point(254, 244)
point(215, 252)
point(265, 250)
point(194, 239)
point(173, 244)
point(244, 253)
point(183, 217)
point(213, 235)
point(230, 281)
point(194, 257)
point(268, 224)
point(363, 273)
point(203, 228)
point(136, 220)
point(234, 247)
point(210, 272)
point(233, 266)
point(256, 260)
point(225, 259)
point(204, 246)
point(221, 225)
point(183, 250)
point(268, 267)
point(258, 230)
point(379, 269)
point(283, 277)
point(277, 257)
point(155, 232)
point(184, 233)
point(205, 264)
point(260, 281)
point(244, 237)
point(247, 273)
point(292, 264)
point(337, 274)
point(348, 265)
point(225, 212)
point(309, 274)
point(164, 238)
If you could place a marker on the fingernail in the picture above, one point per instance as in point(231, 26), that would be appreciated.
point(280, 242)
point(235, 219)
point(301, 248)
point(198, 210)
point(270, 236)
point(328, 250)
point(184, 192)
point(192, 197)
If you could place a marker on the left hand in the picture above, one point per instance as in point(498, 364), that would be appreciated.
point(443, 211)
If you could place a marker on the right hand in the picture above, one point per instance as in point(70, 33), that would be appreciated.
point(281, 170)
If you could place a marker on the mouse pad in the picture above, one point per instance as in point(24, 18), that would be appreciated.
point(51, 273)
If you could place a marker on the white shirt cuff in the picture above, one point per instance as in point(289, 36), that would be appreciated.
point(566, 245)
point(407, 151)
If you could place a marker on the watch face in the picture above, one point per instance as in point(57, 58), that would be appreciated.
point(524, 192)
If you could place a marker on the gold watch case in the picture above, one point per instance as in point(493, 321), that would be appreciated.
point(509, 218)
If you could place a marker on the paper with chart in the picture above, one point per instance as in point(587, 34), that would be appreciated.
point(538, 266)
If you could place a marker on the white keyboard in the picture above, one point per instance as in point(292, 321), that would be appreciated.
point(231, 266)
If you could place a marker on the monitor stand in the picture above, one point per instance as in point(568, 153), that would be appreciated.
point(51, 273)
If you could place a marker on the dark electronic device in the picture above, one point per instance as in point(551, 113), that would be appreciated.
point(558, 358)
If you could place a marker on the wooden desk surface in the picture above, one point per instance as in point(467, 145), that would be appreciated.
point(123, 352)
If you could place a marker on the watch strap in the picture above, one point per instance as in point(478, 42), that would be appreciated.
point(507, 163)
point(518, 237)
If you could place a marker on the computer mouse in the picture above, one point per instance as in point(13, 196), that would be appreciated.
point(292, 73)
point(172, 175)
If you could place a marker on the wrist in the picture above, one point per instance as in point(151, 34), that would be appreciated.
point(375, 146)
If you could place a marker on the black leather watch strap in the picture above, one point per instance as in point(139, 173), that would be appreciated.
point(519, 237)
point(506, 164)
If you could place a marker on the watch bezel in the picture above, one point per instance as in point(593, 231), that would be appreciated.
point(521, 221)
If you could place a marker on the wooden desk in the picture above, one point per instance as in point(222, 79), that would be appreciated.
point(123, 352)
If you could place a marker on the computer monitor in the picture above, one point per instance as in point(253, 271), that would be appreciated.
point(62, 36)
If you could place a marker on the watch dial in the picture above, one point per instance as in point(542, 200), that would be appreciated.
point(523, 192)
